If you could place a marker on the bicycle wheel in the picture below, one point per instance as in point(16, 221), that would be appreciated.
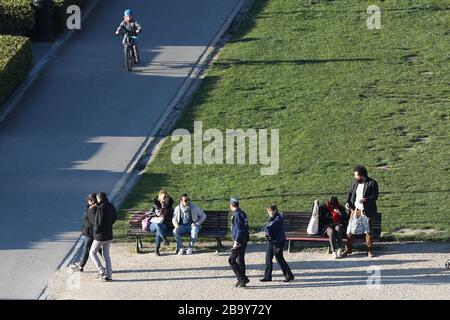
point(129, 58)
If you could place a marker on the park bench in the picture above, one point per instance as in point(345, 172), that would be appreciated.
point(215, 226)
point(296, 223)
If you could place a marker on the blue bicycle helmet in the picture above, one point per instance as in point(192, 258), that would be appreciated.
point(128, 12)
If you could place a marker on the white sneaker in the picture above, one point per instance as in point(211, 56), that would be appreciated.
point(180, 252)
point(189, 251)
point(339, 252)
point(335, 256)
point(74, 268)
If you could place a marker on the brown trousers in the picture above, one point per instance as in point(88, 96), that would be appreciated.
point(369, 236)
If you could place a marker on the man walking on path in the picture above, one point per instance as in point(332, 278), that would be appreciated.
point(276, 238)
point(240, 235)
point(362, 199)
point(103, 235)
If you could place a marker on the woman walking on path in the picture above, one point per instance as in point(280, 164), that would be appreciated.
point(276, 238)
point(87, 232)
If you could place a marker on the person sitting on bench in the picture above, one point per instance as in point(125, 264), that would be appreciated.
point(162, 211)
point(187, 219)
point(332, 219)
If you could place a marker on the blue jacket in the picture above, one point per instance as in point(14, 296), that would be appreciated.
point(239, 226)
point(274, 229)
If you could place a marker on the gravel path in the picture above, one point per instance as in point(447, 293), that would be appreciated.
point(406, 271)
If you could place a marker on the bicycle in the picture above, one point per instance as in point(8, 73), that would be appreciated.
point(128, 50)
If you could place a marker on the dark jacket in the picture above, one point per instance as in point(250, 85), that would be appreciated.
point(157, 207)
point(88, 221)
point(104, 220)
point(326, 219)
point(274, 230)
point(370, 193)
point(239, 226)
point(131, 27)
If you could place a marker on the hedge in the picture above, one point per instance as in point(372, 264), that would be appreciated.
point(16, 17)
point(15, 63)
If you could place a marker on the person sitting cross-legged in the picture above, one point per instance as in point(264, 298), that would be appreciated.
point(333, 220)
point(187, 219)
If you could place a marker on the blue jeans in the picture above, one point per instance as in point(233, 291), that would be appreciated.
point(160, 229)
point(186, 229)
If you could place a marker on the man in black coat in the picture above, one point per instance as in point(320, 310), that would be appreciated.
point(240, 235)
point(276, 238)
point(103, 235)
point(362, 199)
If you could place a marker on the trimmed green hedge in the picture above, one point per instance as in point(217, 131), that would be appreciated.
point(60, 7)
point(15, 63)
point(16, 17)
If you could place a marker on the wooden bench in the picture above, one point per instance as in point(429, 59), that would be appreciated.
point(296, 223)
point(215, 226)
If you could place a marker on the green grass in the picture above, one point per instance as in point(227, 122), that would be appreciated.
point(340, 94)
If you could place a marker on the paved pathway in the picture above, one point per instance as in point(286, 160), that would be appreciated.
point(400, 271)
point(81, 124)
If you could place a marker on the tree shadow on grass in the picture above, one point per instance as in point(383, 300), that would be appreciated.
point(231, 62)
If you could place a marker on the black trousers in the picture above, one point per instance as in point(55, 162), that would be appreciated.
point(86, 248)
point(237, 262)
point(277, 251)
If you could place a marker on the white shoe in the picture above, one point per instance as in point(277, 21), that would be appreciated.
point(339, 253)
point(335, 256)
point(180, 252)
point(189, 251)
point(74, 268)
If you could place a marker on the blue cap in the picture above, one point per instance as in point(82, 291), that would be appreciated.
point(128, 12)
point(234, 200)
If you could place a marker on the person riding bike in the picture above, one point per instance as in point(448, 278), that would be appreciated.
point(131, 27)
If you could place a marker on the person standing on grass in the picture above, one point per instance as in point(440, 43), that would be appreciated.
point(362, 200)
point(162, 211)
point(276, 238)
point(240, 236)
point(87, 232)
point(187, 219)
point(103, 235)
point(332, 221)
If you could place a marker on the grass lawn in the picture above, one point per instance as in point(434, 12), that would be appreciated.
point(340, 94)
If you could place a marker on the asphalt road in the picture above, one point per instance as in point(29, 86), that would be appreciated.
point(80, 125)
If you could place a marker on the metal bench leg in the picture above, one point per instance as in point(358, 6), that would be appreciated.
point(140, 243)
point(137, 244)
point(219, 245)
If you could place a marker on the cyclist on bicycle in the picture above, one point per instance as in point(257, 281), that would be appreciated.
point(132, 27)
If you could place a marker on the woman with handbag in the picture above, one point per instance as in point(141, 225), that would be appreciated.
point(332, 221)
point(160, 218)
